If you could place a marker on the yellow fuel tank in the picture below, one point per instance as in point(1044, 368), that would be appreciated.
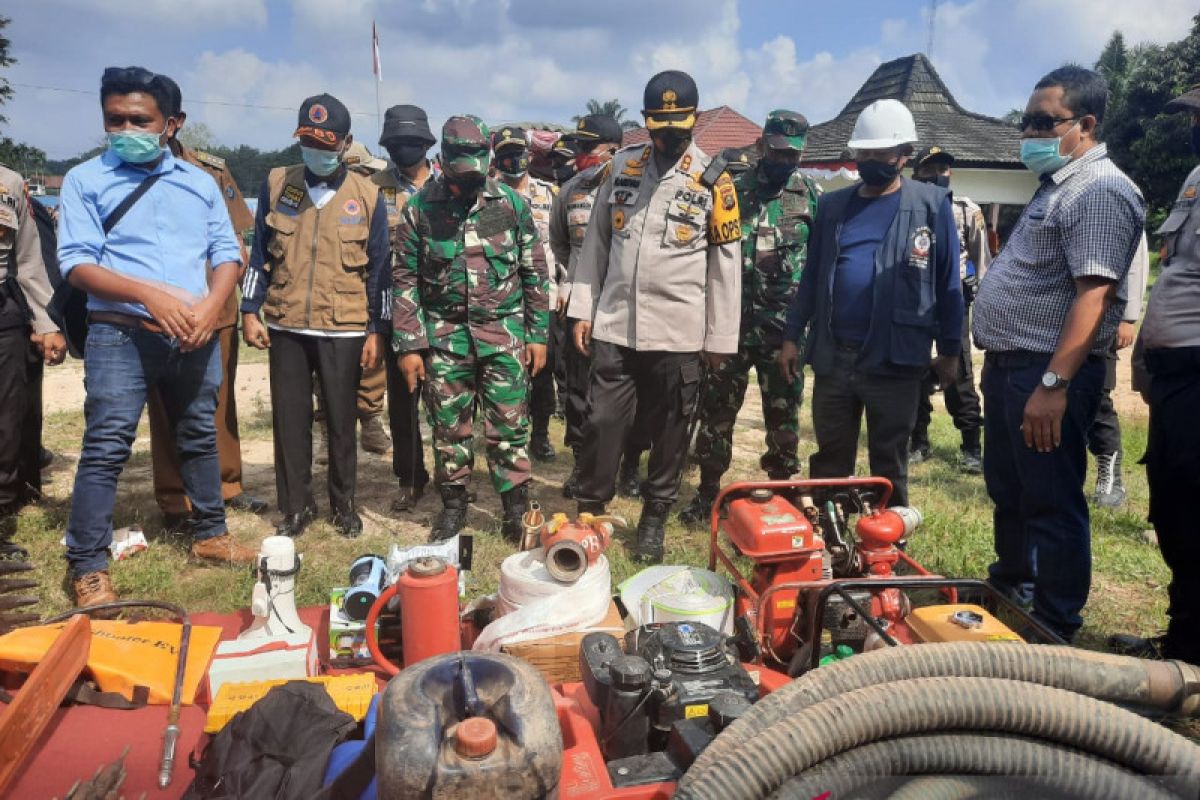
point(960, 622)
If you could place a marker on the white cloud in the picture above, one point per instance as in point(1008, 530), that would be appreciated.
point(529, 59)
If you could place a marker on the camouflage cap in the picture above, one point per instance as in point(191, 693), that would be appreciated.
point(1188, 101)
point(466, 146)
point(785, 130)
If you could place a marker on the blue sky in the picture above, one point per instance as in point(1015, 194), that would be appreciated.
point(244, 64)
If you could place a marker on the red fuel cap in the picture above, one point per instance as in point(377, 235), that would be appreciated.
point(475, 737)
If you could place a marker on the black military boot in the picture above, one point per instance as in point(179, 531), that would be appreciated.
point(571, 485)
point(516, 503)
point(651, 531)
point(453, 516)
point(698, 513)
point(629, 482)
point(540, 448)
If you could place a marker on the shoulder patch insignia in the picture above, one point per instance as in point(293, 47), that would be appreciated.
point(292, 196)
point(208, 159)
point(724, 221)
point(229, 191)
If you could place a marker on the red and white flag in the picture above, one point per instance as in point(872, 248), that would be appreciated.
point(376, 67)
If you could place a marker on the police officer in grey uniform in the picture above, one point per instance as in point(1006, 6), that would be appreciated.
point(1167, 373)
point(656, 294)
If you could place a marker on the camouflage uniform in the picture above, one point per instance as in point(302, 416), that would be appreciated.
point(774, 241)
point(470, 290)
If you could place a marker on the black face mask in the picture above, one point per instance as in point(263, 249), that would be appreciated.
point(513, 166)
point(775, 173)
point(671, 141)
point(466, 188)
point(877, 173)
point(937, 180)
point(564, 173)
point(407, 155)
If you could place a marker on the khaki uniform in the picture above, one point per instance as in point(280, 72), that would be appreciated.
point(168, 483)
point(972, 236)
point(569, 220)
point(661, 265)
point(21, 249)
point(24, 275)
point(659, 278)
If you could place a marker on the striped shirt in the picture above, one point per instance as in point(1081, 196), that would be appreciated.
point(1085, 220)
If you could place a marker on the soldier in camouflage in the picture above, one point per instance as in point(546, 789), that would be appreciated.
point(511, 146)
point(471, 311)
point(777, 207)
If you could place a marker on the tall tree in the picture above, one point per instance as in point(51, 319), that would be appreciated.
point(608, 108)
point(6, 60)
point(197, 136)
point(1151, 146)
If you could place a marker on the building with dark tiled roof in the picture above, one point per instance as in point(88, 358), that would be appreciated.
point(715, 130)
point(987, 166)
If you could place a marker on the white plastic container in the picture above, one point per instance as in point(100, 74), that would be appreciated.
point(679, 594)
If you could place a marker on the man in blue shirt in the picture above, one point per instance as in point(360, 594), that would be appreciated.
point(880, 286)
point(151, 313)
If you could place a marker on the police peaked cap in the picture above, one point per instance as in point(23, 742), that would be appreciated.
point(670, 100)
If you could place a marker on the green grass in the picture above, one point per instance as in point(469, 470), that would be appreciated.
point(1129, 576)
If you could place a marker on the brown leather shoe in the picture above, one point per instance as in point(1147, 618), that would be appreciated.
point(93, 589)
point(225, 549)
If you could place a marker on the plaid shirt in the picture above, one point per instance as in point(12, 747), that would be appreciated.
point(1085, 220)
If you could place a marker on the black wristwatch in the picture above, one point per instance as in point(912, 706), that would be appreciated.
point(1052, 380)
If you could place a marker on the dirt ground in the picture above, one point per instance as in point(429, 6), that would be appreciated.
point(64, 392)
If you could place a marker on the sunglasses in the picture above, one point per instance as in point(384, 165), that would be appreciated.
point(1043, 123)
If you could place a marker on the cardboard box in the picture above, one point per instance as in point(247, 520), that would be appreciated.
point(557, 657)
point(241, 660)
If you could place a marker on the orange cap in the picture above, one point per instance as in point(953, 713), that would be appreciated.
point(475, 737)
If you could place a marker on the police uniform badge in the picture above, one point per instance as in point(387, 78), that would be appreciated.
point(229, 191)
point(669, 97)
point(922, 244)
point(618, 219)
point(389, 195)
point(686, 164)
point(292, 197)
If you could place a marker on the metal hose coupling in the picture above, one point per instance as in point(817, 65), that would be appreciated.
point(532, 522)
point(167, 766)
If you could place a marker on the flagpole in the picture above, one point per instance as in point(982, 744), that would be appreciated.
point(377, 68)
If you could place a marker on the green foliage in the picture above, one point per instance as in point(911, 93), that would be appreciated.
point(249, 165)
point(25, 159)
point(197, 136)
point(608, 108)
point(6, 60)
point(1153, 147)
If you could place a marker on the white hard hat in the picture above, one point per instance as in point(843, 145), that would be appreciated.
point(883, 124)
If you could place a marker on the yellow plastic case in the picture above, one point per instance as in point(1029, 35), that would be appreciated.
point(351, 693)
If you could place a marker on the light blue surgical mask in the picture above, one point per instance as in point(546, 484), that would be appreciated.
point(135, 147)
point(1044, 156)
point(321, 162)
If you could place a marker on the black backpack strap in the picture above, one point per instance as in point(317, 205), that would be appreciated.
point(112, 219)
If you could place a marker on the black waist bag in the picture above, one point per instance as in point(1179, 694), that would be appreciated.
point(276, 750)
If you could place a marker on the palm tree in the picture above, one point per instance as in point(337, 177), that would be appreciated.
point(609, 108)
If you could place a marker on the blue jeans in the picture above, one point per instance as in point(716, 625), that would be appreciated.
point(119, 365)
point(1041, 523)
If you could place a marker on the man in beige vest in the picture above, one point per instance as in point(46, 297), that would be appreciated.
point(319, 275)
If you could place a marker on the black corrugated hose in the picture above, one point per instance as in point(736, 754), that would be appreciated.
point(1057, 702)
